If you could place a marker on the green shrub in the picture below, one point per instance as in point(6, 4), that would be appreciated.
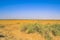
point(47, 36)
point(44, 30)
point(55, 29)
point(28, 28)
point(31, 28)
point(38, 28)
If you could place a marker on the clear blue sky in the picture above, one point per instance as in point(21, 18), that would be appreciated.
point(29, 9)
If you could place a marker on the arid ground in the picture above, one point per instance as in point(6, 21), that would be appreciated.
point(21, 30)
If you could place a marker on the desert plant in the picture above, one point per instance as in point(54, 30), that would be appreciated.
point(2, 26)
point(23, 29)
point(55, 29)
point(38, 28)
point(31, 28)
point(44, 30)
point(27, 28)
point(47, 36)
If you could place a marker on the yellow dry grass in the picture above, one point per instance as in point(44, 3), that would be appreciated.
point(12, 28)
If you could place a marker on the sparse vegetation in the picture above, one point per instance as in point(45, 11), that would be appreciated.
point(32, 28)
point(44, 30)
point(55, 29)
point(2, 26)
point(47, 36)
point(29, 30)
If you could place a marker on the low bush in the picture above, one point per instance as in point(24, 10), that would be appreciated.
point(55, 29)
point(2, 26)
point(31, 28)
point(44, 30)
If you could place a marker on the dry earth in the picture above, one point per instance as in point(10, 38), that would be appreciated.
point(11, 31)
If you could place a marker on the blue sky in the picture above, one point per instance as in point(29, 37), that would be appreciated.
point(29, 9)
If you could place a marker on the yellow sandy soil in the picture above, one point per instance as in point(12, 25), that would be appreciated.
point(12, 28)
